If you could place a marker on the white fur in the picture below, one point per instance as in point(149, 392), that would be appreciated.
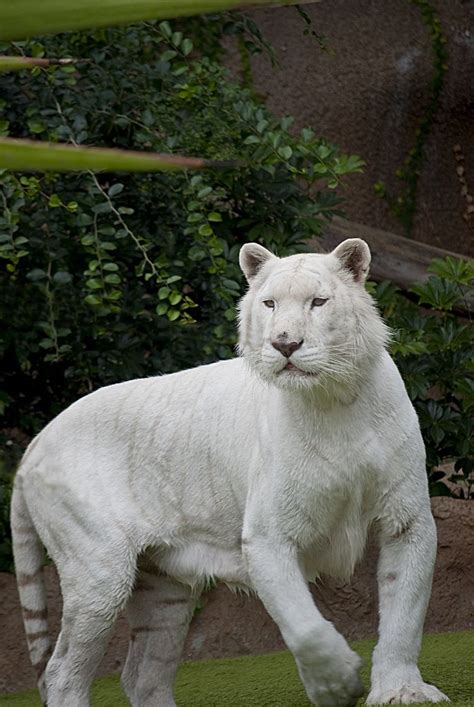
point(260, 476)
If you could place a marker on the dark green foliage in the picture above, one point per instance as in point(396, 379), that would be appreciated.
point(433, 349)
point(113, 277)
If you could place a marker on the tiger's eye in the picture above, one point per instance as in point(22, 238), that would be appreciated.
point(269, 303)
point(318, 301)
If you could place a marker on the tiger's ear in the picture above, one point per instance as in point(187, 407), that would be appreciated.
point(354, 256)
point(252, 257)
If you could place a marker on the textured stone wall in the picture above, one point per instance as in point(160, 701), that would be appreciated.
point(367, 94)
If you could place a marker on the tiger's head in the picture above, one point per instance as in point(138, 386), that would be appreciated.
point(306, 321)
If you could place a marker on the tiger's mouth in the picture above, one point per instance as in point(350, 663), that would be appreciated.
point(291, 368)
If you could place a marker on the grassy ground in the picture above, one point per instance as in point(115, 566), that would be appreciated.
point(447, 660)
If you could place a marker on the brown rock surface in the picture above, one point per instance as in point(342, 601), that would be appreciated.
point(230, 624)
point(368, 92)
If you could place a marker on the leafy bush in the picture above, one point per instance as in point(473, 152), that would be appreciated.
point(115, 278)
point(433, 350)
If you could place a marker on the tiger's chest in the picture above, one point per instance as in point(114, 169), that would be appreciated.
point(327, 496)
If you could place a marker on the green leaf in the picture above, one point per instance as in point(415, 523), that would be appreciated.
point(161, 308)
point(172, 314)
point(102, 208)
point(36, 126)
point(214, 216)
point(439, 293)
point(194, 217)
point(93, 284)
point(196, 254)
point(30, 156)
point(93, 300)
point(166, 29)
point(36, 274)
point(453, 269)
point(54, 200)
point(307, 134)
point(175, 297)
point(323, 151)
point(285, 152)
point(320, 168)
point(231, 284)
point(28, 18)
point(113, 295)
point(115, 189)
point(163, 292)
point(93, 265)
point(113, 279)
point(62, 277)
point(186, 47)
point(166, 56)
point(205, 230)
point(176, 38)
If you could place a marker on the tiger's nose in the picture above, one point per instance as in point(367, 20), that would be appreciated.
point(286, 347)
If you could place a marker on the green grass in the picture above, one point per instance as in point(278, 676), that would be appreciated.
point(447, 660)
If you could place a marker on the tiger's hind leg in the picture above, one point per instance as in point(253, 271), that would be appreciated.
point(159, 612)
point(91, 602)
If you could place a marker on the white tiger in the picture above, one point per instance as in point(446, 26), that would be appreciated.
point(264, 472)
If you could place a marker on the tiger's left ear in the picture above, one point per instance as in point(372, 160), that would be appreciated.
point(253, 257)
point(354, 256)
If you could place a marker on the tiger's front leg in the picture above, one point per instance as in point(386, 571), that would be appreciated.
point(327, 666)
point(404, 576)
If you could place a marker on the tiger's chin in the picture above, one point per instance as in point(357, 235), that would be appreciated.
point(294, 370)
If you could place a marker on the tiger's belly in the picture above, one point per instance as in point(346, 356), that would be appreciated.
point(198, 562)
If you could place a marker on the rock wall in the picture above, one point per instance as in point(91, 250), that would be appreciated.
point(368, 92)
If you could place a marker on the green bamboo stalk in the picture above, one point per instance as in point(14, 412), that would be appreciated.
point(31, 156)
point(17, 63)
point(20, 19)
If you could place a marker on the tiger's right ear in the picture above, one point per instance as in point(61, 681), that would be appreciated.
point(252, 257)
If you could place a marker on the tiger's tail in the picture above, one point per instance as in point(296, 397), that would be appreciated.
point(29, 558)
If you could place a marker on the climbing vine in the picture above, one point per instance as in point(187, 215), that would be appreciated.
point(404, 205)
point(251, 42)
